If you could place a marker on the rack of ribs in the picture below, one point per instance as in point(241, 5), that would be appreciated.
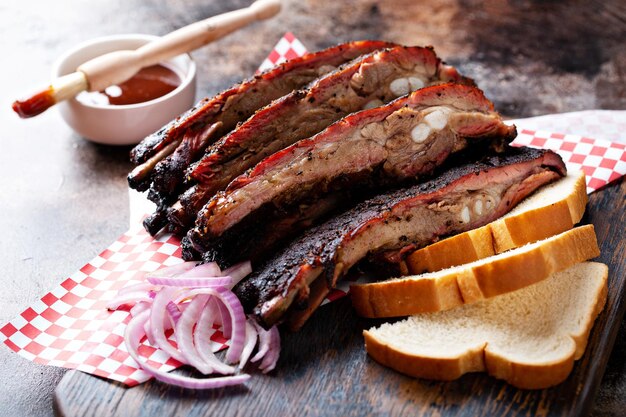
point(162, 157)
point(368, 81)
point(290, 285)
point(375, 148)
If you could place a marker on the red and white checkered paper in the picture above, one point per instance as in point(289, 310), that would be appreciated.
point(288, 47)
point(70, 326)
point(601, 161)
point(600, 124)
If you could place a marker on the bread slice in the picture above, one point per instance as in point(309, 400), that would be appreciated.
point(530, 337)
point(485, 278)
point(552, 210)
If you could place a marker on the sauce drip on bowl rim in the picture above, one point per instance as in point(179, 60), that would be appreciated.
point(148, 84)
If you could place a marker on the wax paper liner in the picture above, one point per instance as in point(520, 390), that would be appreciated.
point(70, 326)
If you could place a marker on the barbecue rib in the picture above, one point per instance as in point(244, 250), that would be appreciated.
point(384, 146)
point(368, 81)
point(242, 100)
point(163, 156)
point(460, 199)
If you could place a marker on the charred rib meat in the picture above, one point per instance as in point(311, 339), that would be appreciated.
point(368, 81)
point(460, 199)
point(164, 156)
point(243, 99)
point(404, 140)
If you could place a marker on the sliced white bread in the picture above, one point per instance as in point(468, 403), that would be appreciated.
point(530, 337)
point(485, 278)
point(552, 210)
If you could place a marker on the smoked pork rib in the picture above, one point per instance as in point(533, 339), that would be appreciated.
point(165, 155)
point(460, 199)
point(255, 241)
point(368, 81)
point(253, 93)
point(403, 140)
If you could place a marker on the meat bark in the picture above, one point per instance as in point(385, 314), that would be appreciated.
point(458, 200)
point(368, 81)
point(255, 92)
point(163, 156)
point(405, 140)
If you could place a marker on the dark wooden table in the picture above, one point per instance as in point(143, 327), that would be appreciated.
point(65, 199)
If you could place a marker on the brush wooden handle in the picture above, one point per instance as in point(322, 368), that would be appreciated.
point(117, 67)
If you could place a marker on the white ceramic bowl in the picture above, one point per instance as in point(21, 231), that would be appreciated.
point(124, 124)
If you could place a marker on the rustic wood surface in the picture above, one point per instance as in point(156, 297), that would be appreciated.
point(65, 199)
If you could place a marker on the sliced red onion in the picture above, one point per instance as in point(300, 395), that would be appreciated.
point(267, 358)
point(128, 298)
point(139, 307)
point(271, 357)
point(172, 271)
point(216, 316)
point(205, 281)
point(184, 333)
point(248, 347)
point(238, 272)
point(157, 317)
point(264, 342)
point(192, 299)
point(148, 332)
point(168, 323)
point(133, 335)
point(237, 319)
point(238, 334)
point(174, 313)
point(202, 338)
point(224, 314)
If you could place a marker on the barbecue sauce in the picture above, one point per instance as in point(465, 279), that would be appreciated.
point(34, 105)
point(148, 84)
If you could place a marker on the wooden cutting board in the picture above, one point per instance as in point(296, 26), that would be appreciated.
point(324, 370)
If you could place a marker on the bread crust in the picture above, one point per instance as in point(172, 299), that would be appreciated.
point(473, 282)
point(443, 369)
point(482, 358)
point(505, 233)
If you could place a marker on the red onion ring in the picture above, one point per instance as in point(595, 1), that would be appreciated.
point(184, 334)
point(271, 357)
point(193, 300)
point(248, 347)
point(224, 314)
point(238, 319)
point(264, 342)
point(173, 312)
point(180, 281)
point(139, 307)
point(173, 271)
point(202, 339)
point(157, 316)
point(133, 335)
point(148, 332)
